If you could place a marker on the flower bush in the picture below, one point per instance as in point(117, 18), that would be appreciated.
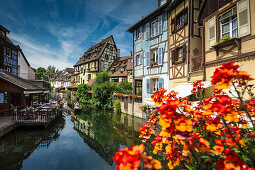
point(30, 110)
point(215, 133)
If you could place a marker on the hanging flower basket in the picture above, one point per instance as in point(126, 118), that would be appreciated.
point(30, 110)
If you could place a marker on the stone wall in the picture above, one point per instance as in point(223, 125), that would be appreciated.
point(137, 109)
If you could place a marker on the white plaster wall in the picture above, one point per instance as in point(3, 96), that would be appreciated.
point(23, 66)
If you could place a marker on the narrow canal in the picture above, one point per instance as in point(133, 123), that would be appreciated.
point(86, 143)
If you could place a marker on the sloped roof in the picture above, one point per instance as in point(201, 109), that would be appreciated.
point(94, 52)
point(62, 75)
point(121, 62)
point(18, 81)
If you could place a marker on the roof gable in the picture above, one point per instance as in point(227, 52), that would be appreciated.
point(94, 52)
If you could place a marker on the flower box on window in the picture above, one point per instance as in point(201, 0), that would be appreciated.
point(231, 42)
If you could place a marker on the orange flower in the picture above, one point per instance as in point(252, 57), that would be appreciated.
point(183, 124)
point(203, 145)
point(218, 150)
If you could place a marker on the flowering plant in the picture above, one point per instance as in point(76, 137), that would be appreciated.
point(56, 106)
point(30, 110)
point(62, 102)
point(216, 133)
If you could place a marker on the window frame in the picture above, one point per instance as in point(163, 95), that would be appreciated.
point(152, 33)
point(184, 15)
point(155, 60)
point(176, 55)
point(230, 22)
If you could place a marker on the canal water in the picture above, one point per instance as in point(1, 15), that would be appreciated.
point(84, 144)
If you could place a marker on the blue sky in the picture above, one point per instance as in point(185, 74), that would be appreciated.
point(58, 32)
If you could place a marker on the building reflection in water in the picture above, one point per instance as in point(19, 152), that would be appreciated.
point(21, 143)
point(106, 133)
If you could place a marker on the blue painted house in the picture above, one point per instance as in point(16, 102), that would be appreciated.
point(151, 49)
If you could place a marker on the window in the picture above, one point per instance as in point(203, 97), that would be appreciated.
point(2, 97)
point(139, 33)
point(179, 55)
point(8, 51)
point(154, 85)
point(138, 87)
point(154, 28)
point(154, 56)
point(138, 59)
point(89, 77)
point(179, 21)
point(115, 79)
point(14, 71)
point(228, 24)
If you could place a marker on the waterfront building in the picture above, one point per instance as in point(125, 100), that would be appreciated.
point(122, 69)
point(61, 80)
point(8, 52)
point(96, 59)
point(24, 69)
point(228, 34)
point(151, 48)
point(18, 92)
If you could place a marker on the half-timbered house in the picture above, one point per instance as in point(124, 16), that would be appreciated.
point(185, 64)
point(228, 34)
point(150, 46)
point(122, 69)
point(96, 59)
point(8, 52)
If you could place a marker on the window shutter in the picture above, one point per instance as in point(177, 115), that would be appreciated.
point(141, 58)
point(135, 35)
point(243, 15)
point(212, 31)
point(156, 33)
point(134, 60)
point(184, 52)
point(141, 32)
point(173, 57)
point(160, 56)
point(160, 24)
point(148, 85)
point(147, 59)
point(160, 83)
point(147, 31)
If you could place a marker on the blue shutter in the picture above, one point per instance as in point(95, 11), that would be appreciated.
point(147, 59)
point(135, 35)
point(141, 32)
point(160, 25)
point(160, 56)
point(160, 83)
point(147, 31)
point(156, 33)
point(134, 60)
point(141, 58)
point(148, 86)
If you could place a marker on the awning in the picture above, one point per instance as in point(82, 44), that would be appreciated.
point(32, 92)
point(185, 89)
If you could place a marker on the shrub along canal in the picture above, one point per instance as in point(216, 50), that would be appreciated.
point(86, 143)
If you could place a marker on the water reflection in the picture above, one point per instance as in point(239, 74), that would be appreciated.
point(20, 144)
point(87, 143)
point(106, 133)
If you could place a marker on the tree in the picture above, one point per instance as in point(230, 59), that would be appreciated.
point(40, 72)
point(51, 69)
point(103, 91)
point(82, 93)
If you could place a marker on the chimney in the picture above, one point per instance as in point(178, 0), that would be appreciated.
point(118, 53)
point(130, 53)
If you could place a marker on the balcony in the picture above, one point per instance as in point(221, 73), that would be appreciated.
point(196, 64)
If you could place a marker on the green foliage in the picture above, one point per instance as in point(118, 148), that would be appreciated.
point(102, 77)
point(47, 85)
point(67, 96)
point(140, 92)
point(145, 107)
point(82, 93)
point(103, 95)
point(116, 106)
point(124, 87)
point(40, 72)
point(51, 69)
point(225, 38)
